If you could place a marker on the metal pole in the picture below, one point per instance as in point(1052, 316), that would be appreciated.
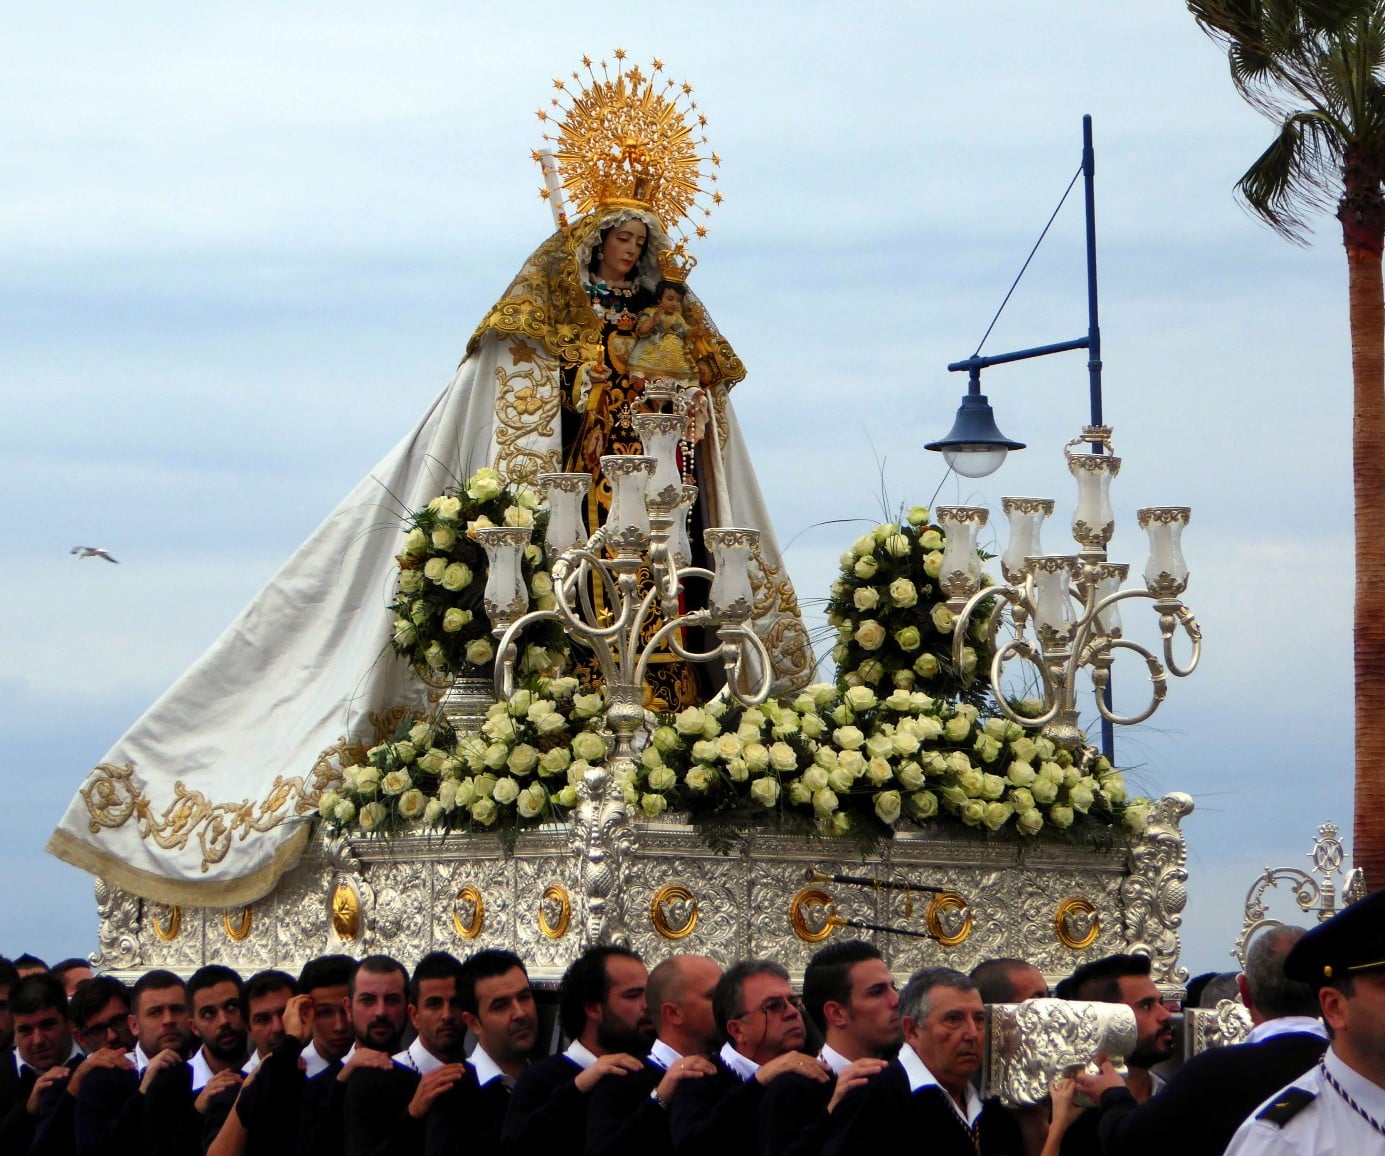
point(1108, 729)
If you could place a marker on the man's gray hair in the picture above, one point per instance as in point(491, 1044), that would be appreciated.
point(1274, 994)
point(916, 1000)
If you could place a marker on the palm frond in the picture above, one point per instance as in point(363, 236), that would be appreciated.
point(1297, 176)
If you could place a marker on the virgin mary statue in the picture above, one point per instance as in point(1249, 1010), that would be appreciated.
point(209, 797)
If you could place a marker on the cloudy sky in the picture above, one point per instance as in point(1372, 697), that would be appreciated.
point(244, 246)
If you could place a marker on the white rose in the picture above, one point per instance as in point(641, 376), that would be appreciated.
point(479, 651)
point(523, 759)
point(782, 757)
point(484, 485)
point(861, 697)
point(411, 803)
point(415, 541)
point(997, 815)
point(871, 635)
point(888, 804)
point(698, 778)
point(456, 577)
point(866, 598)
point(531, 801)
point(765, 791)
point(483, 811)
point(396, 782)
point(372, 816)
point(848, 738)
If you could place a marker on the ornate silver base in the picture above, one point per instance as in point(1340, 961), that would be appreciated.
point(1054, 905)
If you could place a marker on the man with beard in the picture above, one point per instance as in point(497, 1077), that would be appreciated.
point(386, 1110)
point(179, 1097)
point(265, 996)
point(110, 1104)
point(852, 998)
point(1122, 979)
point(927, 1091)
point(497, 1006)
point(629, 1116)
point(602, 1011)
point(1204, 1102)
point(759, 1017)
point(378, 1003)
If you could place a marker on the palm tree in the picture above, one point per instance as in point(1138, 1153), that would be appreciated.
point(1317, 69)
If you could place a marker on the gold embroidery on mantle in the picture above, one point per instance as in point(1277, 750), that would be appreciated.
point(113, 799)
point(526, 407)
point(780, 624)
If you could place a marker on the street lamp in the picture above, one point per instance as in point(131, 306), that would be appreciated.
point(1068, 601)
point(974, 447)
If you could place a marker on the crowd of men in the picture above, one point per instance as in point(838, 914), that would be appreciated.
point(362, 1057)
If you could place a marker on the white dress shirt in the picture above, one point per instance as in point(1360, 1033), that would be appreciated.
point(663, 1055)
point(743, 1067)
point(920, 1077)
point(418, 1059)
point(487, 1069)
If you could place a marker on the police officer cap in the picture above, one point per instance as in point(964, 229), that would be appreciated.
point(1351, 941)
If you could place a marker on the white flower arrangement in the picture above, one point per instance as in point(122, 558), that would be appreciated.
point(520, 769)
point(894, 630)
point(440, 624)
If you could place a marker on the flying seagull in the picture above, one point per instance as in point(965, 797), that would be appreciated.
point(93, 552)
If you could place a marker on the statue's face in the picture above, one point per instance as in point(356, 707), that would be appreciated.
point(621, 250)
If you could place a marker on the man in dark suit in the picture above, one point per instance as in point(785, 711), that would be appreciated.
point(629, 1116)
point(100, 1014)
point(497, 1007)
point(761, 1020)
point(386, 1109)
point(44, 1029)
point(602, 1011)
point(266, 995)
point(851, 997)
point(317, 1036)
point(927, 1091)
point(9, 1070)
point(177, 1100)
point(110, 1105)
point(1202, 1105)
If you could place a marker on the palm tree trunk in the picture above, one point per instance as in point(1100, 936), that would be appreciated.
point(1362, 214)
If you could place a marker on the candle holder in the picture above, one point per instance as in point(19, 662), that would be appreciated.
point(1060, 613)
point(644, 535)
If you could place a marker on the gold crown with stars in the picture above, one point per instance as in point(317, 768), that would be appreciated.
point(624, 139)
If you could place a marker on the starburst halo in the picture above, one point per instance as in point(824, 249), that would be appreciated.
point(621, 137)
